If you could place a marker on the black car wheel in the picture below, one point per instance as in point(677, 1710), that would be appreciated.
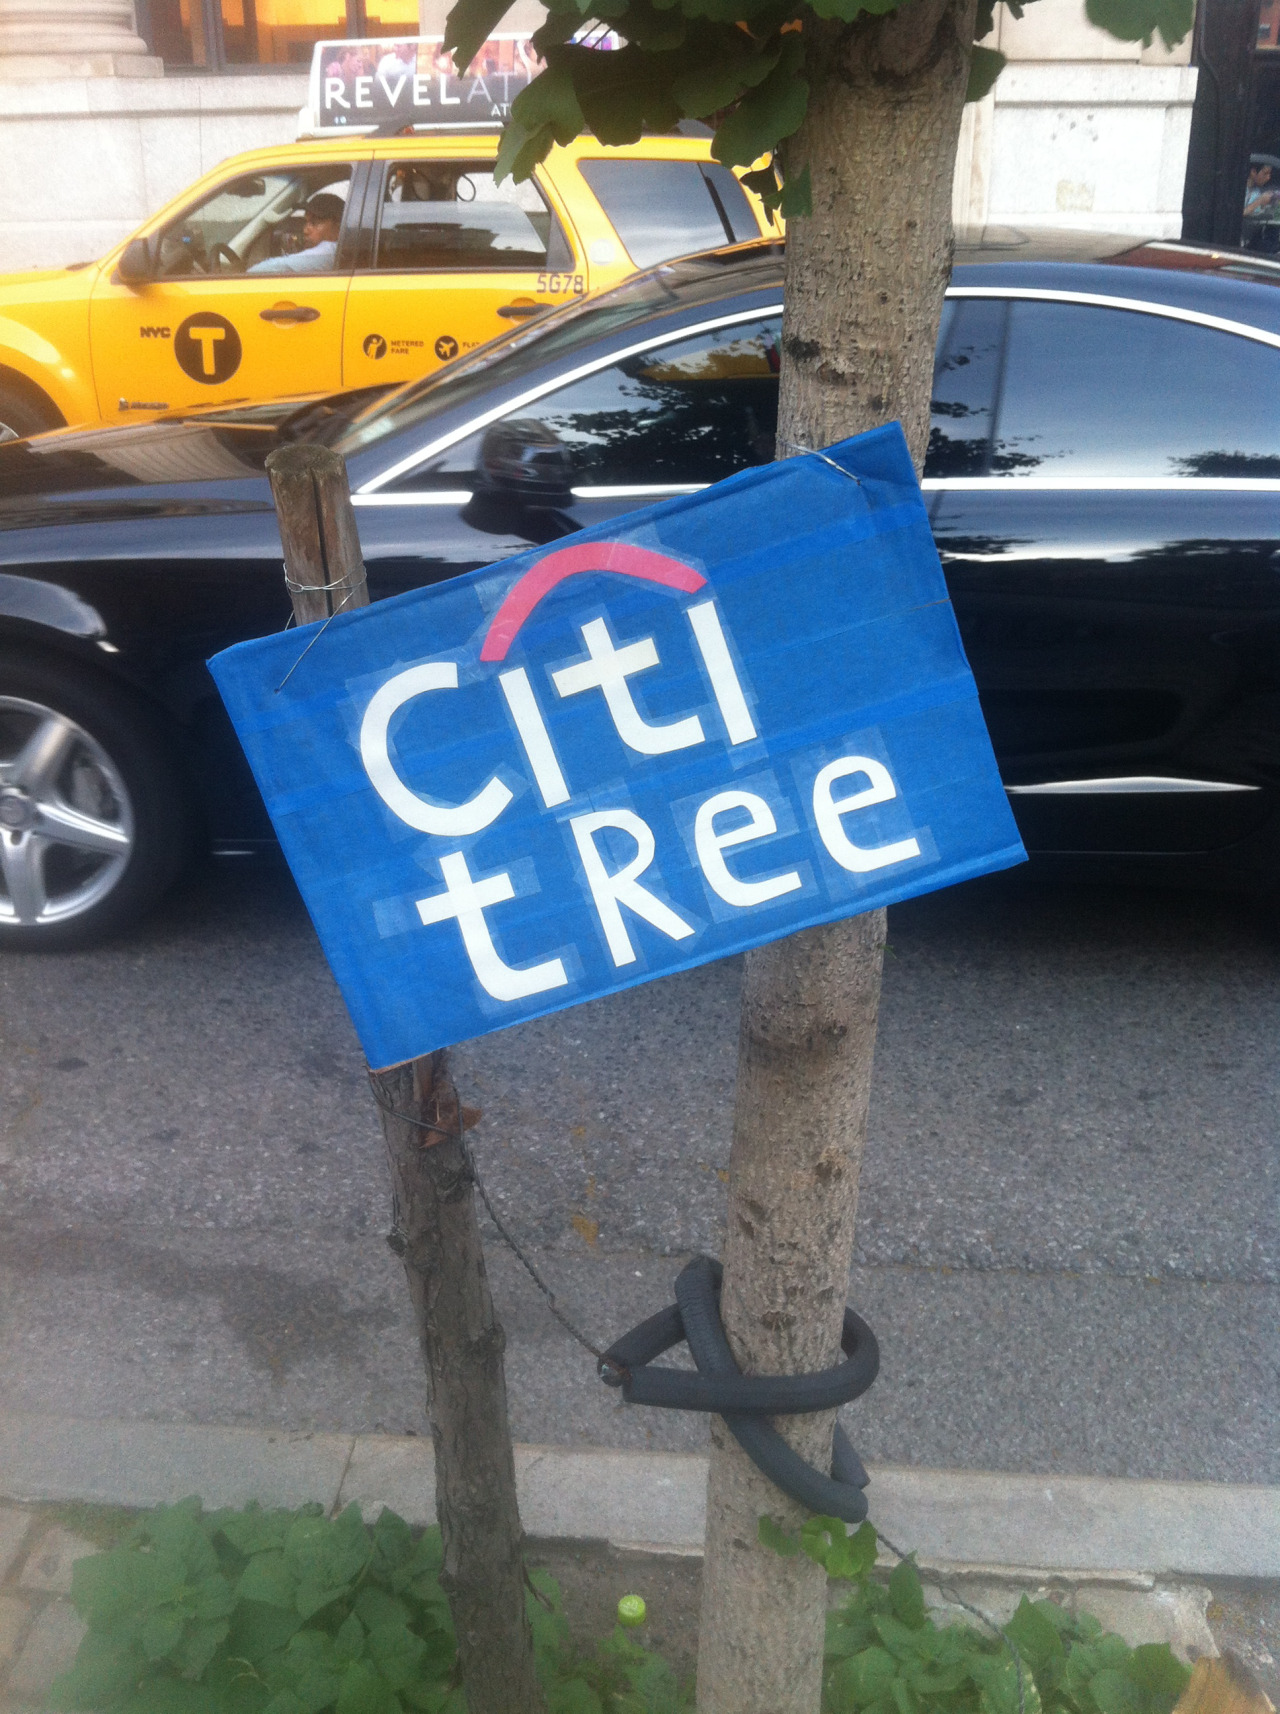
point(92, 817)
point(21, 414)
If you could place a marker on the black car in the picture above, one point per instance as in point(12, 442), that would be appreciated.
point(1103, 478)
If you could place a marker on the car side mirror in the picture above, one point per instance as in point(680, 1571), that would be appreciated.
point(523, 459)
point(136, 265)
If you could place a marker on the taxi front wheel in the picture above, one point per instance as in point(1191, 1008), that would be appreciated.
point(93, 822)
point(23, 411)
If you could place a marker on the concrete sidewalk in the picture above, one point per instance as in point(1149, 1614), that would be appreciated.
point(1078, 1524)
point(1191, 1563)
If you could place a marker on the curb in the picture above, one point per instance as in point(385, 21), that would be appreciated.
point(1102, 1526)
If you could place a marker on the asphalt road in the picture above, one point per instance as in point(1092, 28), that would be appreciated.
point(1070, 1209)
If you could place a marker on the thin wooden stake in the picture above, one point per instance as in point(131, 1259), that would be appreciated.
point(461, 1339)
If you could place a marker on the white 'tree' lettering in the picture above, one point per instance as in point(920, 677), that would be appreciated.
point(450, 821)
point(465, 898)
point(859, 859)
point(623, 888)
point(709, 844)
point(607, 668)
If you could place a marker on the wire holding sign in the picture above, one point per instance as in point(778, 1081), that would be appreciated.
point(637, 752)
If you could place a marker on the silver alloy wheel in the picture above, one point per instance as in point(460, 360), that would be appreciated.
point(66, 822)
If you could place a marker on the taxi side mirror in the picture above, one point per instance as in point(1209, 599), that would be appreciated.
point(135, 265)
point(523, 459)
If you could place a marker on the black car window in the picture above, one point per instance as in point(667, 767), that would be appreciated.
point(452, 214)
point(966, 376)
point(692, 411)
point(661, 209)
point(1108, 392)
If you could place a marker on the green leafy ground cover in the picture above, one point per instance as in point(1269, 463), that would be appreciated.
point(257, 1612)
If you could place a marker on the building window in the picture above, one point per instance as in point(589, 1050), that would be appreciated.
point(241, 35)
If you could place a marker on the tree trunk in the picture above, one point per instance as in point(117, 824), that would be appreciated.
point(866, 273)
point(462, 1346)
point(461, 1339)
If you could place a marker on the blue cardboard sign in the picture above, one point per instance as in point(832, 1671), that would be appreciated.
point(652, 744)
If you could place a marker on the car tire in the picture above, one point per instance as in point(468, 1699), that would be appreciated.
point(24, 411)
point(94, 825)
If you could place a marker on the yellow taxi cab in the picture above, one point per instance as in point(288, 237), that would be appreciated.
point(347, 261)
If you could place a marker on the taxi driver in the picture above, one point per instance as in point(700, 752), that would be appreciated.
point(320, 232)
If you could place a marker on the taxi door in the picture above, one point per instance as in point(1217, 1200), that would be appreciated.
point(450, 260)
point(206, 330)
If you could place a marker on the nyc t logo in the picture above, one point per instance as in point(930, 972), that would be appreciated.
point(630, 754)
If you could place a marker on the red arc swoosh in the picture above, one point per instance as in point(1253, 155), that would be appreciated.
point(621, 557)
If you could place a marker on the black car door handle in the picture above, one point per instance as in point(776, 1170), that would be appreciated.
point(290, 312)
point(520, 312)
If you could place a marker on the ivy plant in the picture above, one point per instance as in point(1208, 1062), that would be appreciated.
point(278, 1612)
point(886, 1655)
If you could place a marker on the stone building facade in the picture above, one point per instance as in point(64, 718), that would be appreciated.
point(97, 131)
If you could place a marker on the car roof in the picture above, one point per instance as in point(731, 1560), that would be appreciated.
point(1236, 285)
point(1232, 284)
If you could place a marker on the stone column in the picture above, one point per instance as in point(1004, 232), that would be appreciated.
point(41, 40)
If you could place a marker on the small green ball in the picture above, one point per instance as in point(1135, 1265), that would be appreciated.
point(631, 1610)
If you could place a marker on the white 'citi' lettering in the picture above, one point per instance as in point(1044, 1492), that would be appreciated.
point(709, 635)
point(607, 668)
point(859, 859)
point(465, 898)
point(533, 734)
point(709, 844)
point(610, 892)
point(449, 821)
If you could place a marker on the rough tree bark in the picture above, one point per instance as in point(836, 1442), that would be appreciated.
point(461, 1339)
point(865, 273)
point(462, 1346)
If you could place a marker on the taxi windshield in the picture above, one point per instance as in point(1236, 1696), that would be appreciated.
point(674, 285)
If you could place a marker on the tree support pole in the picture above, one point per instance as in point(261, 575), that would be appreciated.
point(436, 1230)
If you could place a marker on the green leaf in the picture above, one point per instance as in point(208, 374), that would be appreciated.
point(767, 114)
point(772, 1535)
point(105, 1667)
point(200, 1642)
point(796, 196)
point(573, 1697)
point(906, 1597)
point(252, 1530)
point(1114, 1692)
point(710, 85)
point(1154, 1668)
point(393, 1545)
point(362, 1691)
point(396, 1653)
point(375, 1607)
point(469, 25)
point(1035, 1636)
point(326, 1556)
point(1139, 20)
point(985, 66)
point(268, 1580)
point(258, 1629)
point(159, 1632)
point(348, 1645)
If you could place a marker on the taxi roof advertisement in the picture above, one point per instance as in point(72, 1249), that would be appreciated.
point(363, 83)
